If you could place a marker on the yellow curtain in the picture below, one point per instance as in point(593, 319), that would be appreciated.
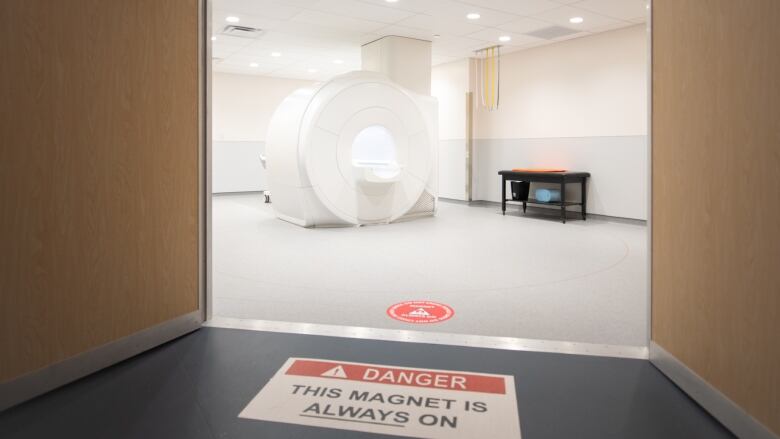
point(488, 76)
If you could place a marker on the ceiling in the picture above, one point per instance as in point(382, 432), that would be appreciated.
point(316, 39)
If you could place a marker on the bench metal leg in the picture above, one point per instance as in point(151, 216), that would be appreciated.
point(503, 195)
point(584, 190)
point(563, 201)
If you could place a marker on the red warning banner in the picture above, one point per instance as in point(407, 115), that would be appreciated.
point(434, 379)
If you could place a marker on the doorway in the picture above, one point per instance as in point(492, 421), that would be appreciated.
point(519, 276)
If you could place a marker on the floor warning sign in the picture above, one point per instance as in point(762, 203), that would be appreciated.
point(388, 399)
point(420, 311)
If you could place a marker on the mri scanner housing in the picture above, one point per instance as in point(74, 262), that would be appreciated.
point(359, 149)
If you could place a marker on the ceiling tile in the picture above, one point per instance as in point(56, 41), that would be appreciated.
point(218, 21)
point(620, 9)
point(263, 61)
point(410, 32)
point(361, 10)
point(338, 22)
point(243, 67)
point(488, 17)
point(453, 41)
point(491, 36)
point(612, 26)
point(225, 41)
point(261, 8)
point(222, 52)
point(519, 7)
point(418, 6)
point(525, 25)
point(440, 25)
point(561, 16)
point(287, 53)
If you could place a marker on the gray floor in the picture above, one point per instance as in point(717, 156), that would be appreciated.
point(512, 276)
point(195, 387)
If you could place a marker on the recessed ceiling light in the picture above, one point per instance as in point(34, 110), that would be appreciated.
point(576, 20)
point(504, 38)
point(276, 54)
point(214, 38)
point(436, 36)
point(312, 70)
point(232, 19)
point(338, 61)
point(254, 64)
point(473, 16)
point(392, 1)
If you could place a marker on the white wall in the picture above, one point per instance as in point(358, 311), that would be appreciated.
point(579, 104)
point(585, 87)
point(449, 84)
point(242, 106)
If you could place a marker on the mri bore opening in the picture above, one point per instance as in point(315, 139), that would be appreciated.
point(374, 148)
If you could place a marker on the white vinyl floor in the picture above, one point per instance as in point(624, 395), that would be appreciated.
point(513, 276)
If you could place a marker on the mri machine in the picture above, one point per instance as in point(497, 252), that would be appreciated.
point(358, 149)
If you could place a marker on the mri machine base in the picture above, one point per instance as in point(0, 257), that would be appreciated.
point(305, 210)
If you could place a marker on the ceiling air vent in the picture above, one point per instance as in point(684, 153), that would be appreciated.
point(552, 32)
point(242, 31)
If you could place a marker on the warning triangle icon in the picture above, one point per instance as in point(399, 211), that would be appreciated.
point(336, 372)
point(419, 312)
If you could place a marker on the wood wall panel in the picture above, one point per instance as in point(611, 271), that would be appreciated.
point(716, 195)
point(99, 133)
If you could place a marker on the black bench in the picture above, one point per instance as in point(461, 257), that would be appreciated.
point(547, 177)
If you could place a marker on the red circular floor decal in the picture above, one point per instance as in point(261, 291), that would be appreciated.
point(420, 311)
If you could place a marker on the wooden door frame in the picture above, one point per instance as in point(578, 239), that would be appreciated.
point(50, 377)
point(721, 407)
